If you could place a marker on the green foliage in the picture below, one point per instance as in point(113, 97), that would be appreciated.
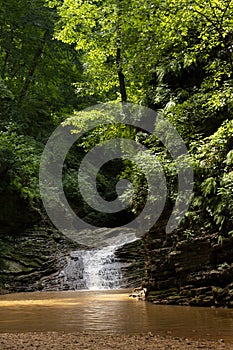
point(181, 43)
point(37, 76)
point(99, 30)
point(37, 72)
point(214, 178)
point(19, 164)
point(192, 81)
point(174, 56)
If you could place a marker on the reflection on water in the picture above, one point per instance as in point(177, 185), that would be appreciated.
point(109, 311)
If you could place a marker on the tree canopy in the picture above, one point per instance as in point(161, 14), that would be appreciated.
point(58, 56)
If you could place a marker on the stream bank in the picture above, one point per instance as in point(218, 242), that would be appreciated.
point(70, 341)
point(197, 271)
point(174, 269)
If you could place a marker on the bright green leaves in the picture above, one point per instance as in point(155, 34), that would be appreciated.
point(192, 82)
point(229, 160)
point(98, 29)
point(92, 28)
point(150, 35)
point(209, 186)
point(175, 56)
point(214, 177)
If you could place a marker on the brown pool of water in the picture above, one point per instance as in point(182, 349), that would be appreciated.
point(107, 312)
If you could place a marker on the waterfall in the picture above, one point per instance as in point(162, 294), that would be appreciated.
point(101, 270)
point(96, 268)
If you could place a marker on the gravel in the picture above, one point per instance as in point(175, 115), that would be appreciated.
point(95, 341)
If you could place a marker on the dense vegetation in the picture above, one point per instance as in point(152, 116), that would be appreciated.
point(176, 57)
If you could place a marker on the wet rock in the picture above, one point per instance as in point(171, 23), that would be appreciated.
point(132, 256)
point(196, 272)
point(41, 258)
point(33, 259)
point(139, 293)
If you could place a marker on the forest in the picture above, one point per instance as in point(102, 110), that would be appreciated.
point(59, 57)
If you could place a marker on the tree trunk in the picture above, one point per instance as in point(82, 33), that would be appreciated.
point(121, 76)
point(33, 66)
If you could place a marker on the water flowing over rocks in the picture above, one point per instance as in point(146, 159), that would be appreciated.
point(114, 265)
point(173, 269)
point(87, 269)
point(44, 259)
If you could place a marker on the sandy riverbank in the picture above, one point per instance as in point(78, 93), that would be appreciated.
point(80, 341)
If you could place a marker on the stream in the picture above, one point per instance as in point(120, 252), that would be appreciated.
point(96, 302)
point(109, 311)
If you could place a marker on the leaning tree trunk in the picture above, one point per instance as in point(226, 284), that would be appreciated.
point(33, 66)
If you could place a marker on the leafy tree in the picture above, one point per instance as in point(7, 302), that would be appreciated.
point(213, 165)
point(174, 56)
point(192, 82)
point(114, 38)
point(37, 71)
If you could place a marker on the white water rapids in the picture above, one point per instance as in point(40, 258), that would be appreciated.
point(97, 268)
point(101, 270)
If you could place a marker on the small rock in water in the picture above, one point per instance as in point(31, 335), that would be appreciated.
point(139, 293)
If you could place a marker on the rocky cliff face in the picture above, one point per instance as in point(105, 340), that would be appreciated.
point(175, 270)
point(196, 272)
point(41, 258)
point(31, 255)
point(31, 260)
point(133, 257)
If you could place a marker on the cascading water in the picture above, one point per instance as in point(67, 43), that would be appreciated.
point(101, 270)
point(97, 268)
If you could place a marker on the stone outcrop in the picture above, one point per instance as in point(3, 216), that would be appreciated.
point(41, 258)
point(196, 272)
point(133, 258)
point(174, 270)
point(31, 260)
